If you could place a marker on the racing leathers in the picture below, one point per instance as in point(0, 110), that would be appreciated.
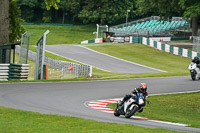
point(134, 94)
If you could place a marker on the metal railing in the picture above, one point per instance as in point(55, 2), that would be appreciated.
point(151, 26)
point(60, 68)
point(196, 44)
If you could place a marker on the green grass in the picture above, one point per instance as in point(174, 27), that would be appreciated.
point(17, 121)
point(181, 108)
point(61, 34)
point(141, 54)
point(173, 65)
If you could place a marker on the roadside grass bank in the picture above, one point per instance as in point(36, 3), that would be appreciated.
point(17, 121)
point(180, 108)
point(138, 53)
point(173, 65)
point(61, 34)
point(141, 54)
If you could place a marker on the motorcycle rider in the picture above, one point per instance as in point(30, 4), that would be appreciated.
point(197, 61)
point(141, 89)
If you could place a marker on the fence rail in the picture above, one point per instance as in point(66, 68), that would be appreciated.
point(77, 69)
point(152, 42)
point(14, 71)
point(4, 72)
point(18, 71)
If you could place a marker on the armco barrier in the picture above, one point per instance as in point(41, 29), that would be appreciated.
point(4, 70)
point(18, 71)
point(170, 49)
point(78, 70)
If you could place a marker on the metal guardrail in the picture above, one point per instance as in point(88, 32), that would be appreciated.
point(77, 69)
point(18, 71)
point(153, 42)
point(4, 72)
point(14, 71)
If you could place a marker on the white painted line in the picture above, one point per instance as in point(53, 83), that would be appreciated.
point(97, 105)
point(175, 93)
point(123, 60)
point(75, 60)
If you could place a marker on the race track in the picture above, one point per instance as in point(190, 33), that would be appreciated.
point(99, 60)
point(70, 98)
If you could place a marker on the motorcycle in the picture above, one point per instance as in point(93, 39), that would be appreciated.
point(194, 70)
point(131, 106)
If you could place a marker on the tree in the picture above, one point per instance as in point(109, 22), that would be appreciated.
point(192, 11)
point(104, 11)
point(27, 7)
point(65, 6)
point(50, 3)
point(164, 8)
point(15, 29)
point(4, 21)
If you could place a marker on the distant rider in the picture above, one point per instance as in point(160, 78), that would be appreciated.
point(141, 89)
point(197, 61)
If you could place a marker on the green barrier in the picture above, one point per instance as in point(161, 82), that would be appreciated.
point(148, 42)
point(180, 38)
point(171, 49)
point(180, 51)
point(52, 24)
point(17, 71)
point(27, 23)
point(155, 44)
point(198, 54)
point(189, 54)
point(163, 46)
point(137, 39)
point(90, 41)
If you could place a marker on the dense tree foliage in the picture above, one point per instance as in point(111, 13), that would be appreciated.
point(164, 8)
point(191, 10)
point(104, 11)
point(90, 11)
point(15, 29)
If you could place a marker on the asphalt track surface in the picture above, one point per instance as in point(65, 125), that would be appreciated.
point(70, 98)
point(98, 60)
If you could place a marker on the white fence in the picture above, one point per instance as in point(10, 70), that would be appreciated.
point(61, 66)
point(4, 72)
point(14, 71)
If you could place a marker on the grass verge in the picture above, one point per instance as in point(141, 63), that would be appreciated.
point(17, 121)
point(61, 34)
point(173, 65)
point(180, 108)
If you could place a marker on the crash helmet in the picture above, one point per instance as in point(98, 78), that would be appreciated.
point(143, 87)
point(196, 58)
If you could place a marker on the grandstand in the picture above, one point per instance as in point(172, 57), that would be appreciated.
point(150, 26)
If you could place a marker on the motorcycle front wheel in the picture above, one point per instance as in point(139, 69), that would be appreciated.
point(193, 76)
point(130, 112)
point(116, 113)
